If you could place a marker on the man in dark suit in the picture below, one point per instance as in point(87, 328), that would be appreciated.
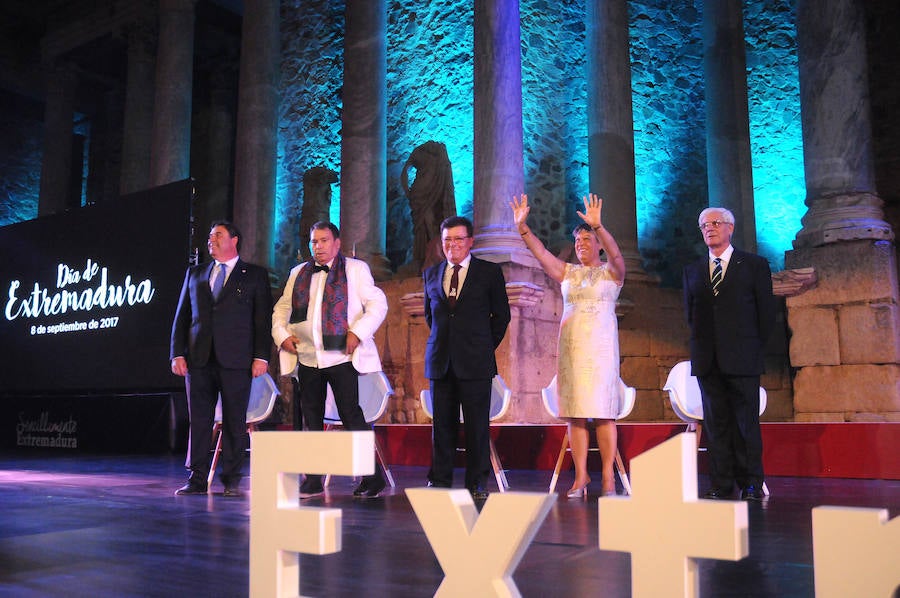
point(220, 341)
point(467, 309)
point(730, 310)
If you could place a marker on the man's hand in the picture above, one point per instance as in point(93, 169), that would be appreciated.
point(352, 343)
point(290, 344)
point(259, 367)
point(179, 366)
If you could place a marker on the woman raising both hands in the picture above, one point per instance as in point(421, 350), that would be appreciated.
point(587, 375)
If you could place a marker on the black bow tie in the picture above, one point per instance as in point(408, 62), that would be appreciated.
point(318, 268)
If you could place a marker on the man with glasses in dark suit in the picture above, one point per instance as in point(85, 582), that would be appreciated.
point(730, 310)
point(467, 309)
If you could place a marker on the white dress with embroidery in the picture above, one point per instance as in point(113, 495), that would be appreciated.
point(588, 364)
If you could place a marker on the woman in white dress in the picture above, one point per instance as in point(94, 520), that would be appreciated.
point(587, 375)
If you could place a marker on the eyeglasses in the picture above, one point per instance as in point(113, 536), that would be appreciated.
point(712, 224)
point(454, 240)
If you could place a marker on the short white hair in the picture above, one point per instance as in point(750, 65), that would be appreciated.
point(727, 216)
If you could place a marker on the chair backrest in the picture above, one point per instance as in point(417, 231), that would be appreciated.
point(263, 392)
point(551, 398)
point(425, 401)
point(684, 393)
point(375, 393)
point(627, 395)
point(501, 396)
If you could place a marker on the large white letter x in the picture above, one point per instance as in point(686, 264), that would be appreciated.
point(479, 553)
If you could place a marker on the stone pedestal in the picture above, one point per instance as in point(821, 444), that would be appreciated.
point(846, 333)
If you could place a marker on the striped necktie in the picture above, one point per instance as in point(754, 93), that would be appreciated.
point(717, 275)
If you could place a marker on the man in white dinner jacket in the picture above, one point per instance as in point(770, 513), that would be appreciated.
point(324, 325)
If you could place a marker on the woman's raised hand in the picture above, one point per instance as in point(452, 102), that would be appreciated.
point(592, 208)
point(519, 205)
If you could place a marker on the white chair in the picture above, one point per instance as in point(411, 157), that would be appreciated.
point(684, 396)
point(263, 392)
point(550, 397)
point(501, 395)
point(375, 392)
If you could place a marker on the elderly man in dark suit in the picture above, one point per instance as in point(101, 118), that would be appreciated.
point(220, 341)
point(730, 310)
point(467, 309)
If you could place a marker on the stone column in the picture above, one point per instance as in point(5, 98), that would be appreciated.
point(611, 125)
point(729, 167)
point(364, 135)
point(56, 166)
point(837, 128)
point(105, 149)
point(257, 129)
point(499, 170)
point(846, 331)
point(170, 153)
point(138, 127)
point(219, 168)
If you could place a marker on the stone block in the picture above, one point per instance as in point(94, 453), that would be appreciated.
point(847, 389)
point(869, 333)
point(634, 343)
point(848, 272)
point(648, 406)
point(639, 372)
point(819, 417)
point(887, 417)
point(670, 342)
point(779, 406)
point(814, 339)
point(778, 373)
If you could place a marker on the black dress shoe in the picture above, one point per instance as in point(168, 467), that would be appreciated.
point(191, 487)
point(752, 492)
point(715, 493)
point(437, 485)
point(478, 492)
point(311, 487)
point(369, 488)
point(233, 491)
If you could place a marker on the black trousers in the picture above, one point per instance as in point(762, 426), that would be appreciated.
point(204, 385)
point(344, 381)
point(474, 396)
point(731, 422)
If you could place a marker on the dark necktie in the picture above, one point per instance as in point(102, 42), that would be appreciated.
point(219, 282)
point(717, 275)
point(318, 268)
point(454, 286)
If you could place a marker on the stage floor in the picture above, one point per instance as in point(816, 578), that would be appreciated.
point(111, 526)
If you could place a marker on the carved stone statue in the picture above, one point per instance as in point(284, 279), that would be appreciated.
point(317, 183)
point(431, 199)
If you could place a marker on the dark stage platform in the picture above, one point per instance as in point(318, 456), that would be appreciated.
point(110, 526)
